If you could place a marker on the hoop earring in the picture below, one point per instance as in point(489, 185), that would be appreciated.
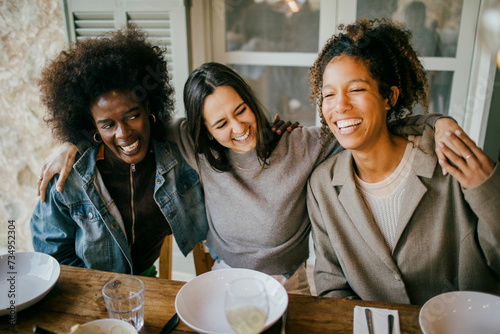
point(154, 118)
point(97, 137)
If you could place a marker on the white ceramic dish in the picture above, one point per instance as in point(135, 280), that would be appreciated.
point(104, 326)
point(461, 312)
point(33, 274)
point(200, 302)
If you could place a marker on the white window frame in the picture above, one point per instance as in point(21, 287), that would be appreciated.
point(473, 67)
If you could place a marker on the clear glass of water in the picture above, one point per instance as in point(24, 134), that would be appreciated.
point(246, 305)
point(124, 298)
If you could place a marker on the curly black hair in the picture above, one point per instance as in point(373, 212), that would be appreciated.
point(123, 60)
point(384, 46)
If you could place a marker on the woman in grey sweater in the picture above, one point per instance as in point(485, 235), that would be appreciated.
point(254, 182)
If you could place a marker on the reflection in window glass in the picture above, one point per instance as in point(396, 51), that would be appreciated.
point(440, 86)
point(282, 90)
point(272, 25)
point(434, 23)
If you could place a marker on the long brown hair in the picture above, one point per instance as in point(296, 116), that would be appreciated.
point(202, 83)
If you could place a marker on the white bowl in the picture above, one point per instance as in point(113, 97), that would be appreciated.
point(25, 278)
point(104, 326)
point(200, 302)
point(461, 312)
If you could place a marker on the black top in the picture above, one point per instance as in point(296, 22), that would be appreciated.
point(132, 188)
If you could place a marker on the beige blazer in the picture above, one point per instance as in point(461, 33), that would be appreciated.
point(447, 238)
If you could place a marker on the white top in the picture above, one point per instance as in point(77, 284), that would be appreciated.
point(384, 198)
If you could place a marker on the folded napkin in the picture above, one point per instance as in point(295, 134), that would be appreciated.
point(379, 319)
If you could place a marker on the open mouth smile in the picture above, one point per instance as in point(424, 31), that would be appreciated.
point(244, 137)
point(131, 147)
point(347, 125)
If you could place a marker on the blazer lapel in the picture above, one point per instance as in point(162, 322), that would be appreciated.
point(358, 212)
point(414, 192)
point(424, 164)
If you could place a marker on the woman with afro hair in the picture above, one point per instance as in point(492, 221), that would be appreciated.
point(387, 224)
point(129, 187)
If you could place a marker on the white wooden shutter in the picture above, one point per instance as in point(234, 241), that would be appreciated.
point(165, 21)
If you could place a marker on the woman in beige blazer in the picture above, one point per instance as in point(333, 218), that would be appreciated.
point(388, 225)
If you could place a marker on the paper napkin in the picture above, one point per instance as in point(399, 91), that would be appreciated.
point(380, 320)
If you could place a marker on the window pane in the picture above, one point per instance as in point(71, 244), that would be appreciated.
point(272, 26)
point(440, 85)
point(282, 90)
point(434, 23)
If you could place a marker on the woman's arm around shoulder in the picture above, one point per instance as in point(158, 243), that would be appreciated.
point(441, 124)
point(177, 132)
point(60, 161)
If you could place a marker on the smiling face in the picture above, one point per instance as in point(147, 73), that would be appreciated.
point(352, 105)
point(123, 125)
point(229, 120)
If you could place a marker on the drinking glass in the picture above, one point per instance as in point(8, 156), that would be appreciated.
point(124, 298)
point(246, 305)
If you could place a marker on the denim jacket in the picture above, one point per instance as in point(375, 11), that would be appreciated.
point(81, 226)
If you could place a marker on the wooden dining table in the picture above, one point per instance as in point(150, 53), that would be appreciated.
point(76, 298)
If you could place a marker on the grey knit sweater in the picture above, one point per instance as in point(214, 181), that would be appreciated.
point(259, 220)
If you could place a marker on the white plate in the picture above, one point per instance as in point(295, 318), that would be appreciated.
point(461, 312)
point(34, 275)
point(105, 326)
point(200, 302)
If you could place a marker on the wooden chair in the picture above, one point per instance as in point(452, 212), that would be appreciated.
point(203, 262)
point(166, 258)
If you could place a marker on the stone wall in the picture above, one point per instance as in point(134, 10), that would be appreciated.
point(31, 33)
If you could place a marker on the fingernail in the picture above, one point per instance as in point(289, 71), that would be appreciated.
point(448, 133)
point(458, 132)
point(444, 172)
point(440, 144)
point(59, 189)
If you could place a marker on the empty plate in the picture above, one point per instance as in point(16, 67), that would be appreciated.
point(26, 279)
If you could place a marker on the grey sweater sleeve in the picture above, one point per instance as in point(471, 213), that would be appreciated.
point(414, 125)
point(177, 132)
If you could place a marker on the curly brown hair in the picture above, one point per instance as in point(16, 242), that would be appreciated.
point(123, 60)
point(384, 47)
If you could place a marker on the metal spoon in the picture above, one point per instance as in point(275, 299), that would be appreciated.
point(369, 321)
point(283, 322)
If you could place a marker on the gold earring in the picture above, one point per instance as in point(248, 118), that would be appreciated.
point(97, 137)
point(154, 118)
